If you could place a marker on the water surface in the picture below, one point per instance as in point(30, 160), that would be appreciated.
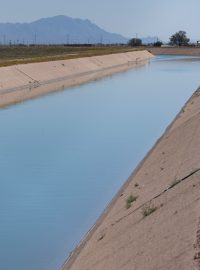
point(64, 156)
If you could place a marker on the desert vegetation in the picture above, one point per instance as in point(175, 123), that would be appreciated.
point(179, 39)
point(148, 210)
point(130, 200)
point(11, 55)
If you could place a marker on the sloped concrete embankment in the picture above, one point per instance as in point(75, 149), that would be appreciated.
point(21, 82)
point(154, 220)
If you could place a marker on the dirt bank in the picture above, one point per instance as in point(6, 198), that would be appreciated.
point(175, 51)
point(154, 220)
point(22, 82)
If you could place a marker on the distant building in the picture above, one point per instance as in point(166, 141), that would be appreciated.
point(198, 43)
point(166, 46)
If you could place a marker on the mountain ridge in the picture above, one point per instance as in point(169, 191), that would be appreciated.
point(57, 30)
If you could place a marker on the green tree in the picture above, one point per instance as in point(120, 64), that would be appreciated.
point(179, 38)
point(158, 44)
point(135, 42)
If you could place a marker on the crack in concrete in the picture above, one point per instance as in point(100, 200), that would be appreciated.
point(159, 195)
point(25, 74)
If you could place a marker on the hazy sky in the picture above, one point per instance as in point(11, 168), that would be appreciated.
point(128, 17)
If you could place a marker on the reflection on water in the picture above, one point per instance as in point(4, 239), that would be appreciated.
point(64, 156)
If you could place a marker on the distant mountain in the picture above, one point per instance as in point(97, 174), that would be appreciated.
point(149, 40)
point(57, 30)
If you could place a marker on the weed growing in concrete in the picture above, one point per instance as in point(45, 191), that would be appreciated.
point(130, 200)
point(148, 210)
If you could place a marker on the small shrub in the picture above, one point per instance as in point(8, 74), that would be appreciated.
point(136, 185)
point(130, 200)
point(148, 210)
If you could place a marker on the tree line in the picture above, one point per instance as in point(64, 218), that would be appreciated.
point(177, 39)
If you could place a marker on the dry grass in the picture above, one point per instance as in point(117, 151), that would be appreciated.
point(33, 54)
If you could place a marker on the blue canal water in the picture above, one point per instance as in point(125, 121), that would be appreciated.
point(64, 156)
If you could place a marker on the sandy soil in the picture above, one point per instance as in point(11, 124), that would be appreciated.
point(22, 82)
point(160, 230)
point(175, 51)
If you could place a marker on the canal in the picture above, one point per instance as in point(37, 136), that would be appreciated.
point(64, 156)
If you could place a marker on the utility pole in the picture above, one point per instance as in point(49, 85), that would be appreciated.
point(101, 39)
point(67, 38)
point(4, 39)
point(136, 37)
point(35, 39)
